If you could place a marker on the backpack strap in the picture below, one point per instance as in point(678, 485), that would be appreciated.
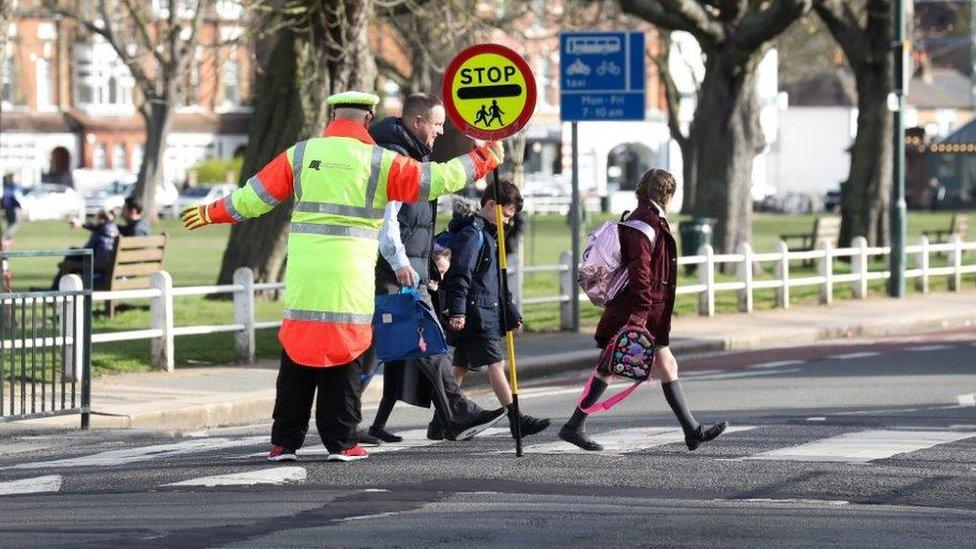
point(606, 403)
point(641, 226)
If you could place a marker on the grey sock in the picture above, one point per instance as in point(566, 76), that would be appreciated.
point(676, 399)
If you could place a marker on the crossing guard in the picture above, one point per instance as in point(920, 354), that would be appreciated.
point(341, 183)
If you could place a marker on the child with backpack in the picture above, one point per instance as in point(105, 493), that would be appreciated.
point(470, 298)
point(639, 299)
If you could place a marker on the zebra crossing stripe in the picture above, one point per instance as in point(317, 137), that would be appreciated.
point(35, 485)
point(277, 475)
point(624, 441)
point(925, 348)
point(847, 356)
point(145, 453)
point(862, 446)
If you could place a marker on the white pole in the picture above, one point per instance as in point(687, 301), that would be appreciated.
point(782, 272)
point(745, 275)
point(161, 318)
point(244, 314)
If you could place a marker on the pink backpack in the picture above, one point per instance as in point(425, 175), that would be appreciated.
point(601, 276)
point(630, 354)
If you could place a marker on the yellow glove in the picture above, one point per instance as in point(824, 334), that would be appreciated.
point(195, 217)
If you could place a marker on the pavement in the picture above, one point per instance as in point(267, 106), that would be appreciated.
point(866, 442)
point(213, 396)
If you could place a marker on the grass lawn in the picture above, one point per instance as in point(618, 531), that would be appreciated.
point(194, 259)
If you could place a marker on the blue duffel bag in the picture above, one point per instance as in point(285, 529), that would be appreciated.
point(405, 327)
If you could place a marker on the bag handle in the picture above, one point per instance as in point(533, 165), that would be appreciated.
point(606, 403)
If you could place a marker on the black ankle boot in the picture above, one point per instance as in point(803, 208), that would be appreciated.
point(704, 434)
point(579, 438)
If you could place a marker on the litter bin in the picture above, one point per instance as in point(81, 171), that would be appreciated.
point(695, 234)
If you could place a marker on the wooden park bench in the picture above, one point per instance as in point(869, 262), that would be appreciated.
point(825, 228)
point(959, 225)
point(133, 262)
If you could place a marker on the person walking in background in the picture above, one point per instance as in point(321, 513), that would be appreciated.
point(647, 300)
point(10, 203)
point(470, 297)
point(406, 243)
point(341, 183)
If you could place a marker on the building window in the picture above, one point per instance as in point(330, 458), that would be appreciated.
point(118, 157)
point(99, 158)
point(44, 84)
point(136, 159)
point(8, 77)
point(101, 80)
point(231, 82)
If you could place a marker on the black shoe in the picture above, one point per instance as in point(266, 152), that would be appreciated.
point(363, 437)
point(435, 431)
point(703, 435)
point(531, 425)
point(578, 437)
point(383, 434)
point(484, 420)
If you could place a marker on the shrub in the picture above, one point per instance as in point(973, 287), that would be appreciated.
point(214, 170)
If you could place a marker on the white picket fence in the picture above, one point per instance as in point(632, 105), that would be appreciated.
point(746, 258)
point(162, 294)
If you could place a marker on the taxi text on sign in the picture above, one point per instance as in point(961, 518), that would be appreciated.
point(489, 91)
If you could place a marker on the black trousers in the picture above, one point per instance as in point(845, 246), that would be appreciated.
point(337, 411)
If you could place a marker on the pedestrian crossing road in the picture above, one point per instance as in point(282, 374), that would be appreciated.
point(868, 450)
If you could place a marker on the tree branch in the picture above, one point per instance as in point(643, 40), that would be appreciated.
point(759, 27)
point(683, 15)
point(671, 95)
point(844, 26)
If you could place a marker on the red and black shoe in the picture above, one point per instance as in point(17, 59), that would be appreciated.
point(280, 453)
point(355, 453)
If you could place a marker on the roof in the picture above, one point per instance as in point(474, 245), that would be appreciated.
point(35, 122)
point(231, 123)
point(826, 88)
point(941, 88)
point(964, 135)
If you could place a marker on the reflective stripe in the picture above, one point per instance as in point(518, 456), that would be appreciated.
point(328, 316)
point(297, 167)
point(262, 193)
point(468, 166)
point(338, 209)
point(424, 182)
point(374, 175)
point(334, 230)
point(229, 203)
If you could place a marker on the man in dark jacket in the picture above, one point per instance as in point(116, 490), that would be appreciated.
point(406, 243)
point(135, 223)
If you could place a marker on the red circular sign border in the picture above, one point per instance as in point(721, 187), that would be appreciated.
point(456, 117)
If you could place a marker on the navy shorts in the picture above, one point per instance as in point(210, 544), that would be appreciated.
point(477, 352)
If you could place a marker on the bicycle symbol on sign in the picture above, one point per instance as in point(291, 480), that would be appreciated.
point(608, 67)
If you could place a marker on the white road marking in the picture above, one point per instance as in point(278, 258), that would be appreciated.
point(734, 375)
point(776, 364)
point(801, 501)
point(621, 441)
point(414, 438)
point(695, 373)
point(145, 453)
point(35, 485)
point(816, 419)
point(967, 400)
point(277, 475)
point(846, 356)
point(925, 348)
point(544, 392)
point(862, 446)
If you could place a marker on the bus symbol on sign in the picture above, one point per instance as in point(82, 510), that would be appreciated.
point(592, 45)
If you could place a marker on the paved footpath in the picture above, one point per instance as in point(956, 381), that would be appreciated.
point(203, 397)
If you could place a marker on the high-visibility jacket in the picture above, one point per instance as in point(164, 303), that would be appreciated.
point(341, 183)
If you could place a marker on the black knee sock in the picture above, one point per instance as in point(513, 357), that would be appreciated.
point(579, 417)
point(383, 412)
point(676, 399)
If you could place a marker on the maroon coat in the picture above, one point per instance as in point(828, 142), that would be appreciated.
point(648, 298)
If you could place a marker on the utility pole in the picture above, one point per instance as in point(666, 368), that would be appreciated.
point(900, 50)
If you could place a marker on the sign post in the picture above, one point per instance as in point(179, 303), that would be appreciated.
point(489, 93)
point(601, 77)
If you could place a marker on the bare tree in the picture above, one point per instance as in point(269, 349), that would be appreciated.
point(864, 32)
point(156, 41)
point(319, 47)
point(672, 99)
point(725, 135)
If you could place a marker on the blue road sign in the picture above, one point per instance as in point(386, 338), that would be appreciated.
point(601, 76)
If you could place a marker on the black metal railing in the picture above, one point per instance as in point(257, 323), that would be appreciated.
point(45, 342)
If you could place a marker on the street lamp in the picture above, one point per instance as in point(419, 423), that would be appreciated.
point(900, 50)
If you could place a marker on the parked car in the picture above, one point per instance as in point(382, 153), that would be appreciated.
point(203, 195)
point(50, 201)
point(109, 198)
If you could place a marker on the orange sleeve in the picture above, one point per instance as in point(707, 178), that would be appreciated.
point(403, 182)
point(277, 177)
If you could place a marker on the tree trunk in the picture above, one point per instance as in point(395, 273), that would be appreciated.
point(689, 171)
point(158, 116)
point(866, 196)
point(303, 68)
point(725, 138)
